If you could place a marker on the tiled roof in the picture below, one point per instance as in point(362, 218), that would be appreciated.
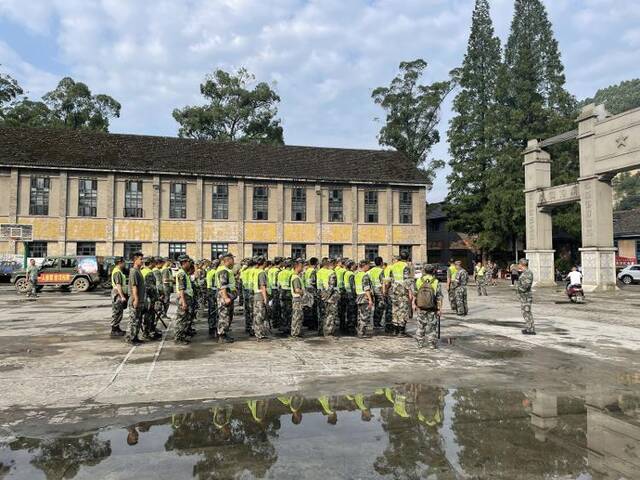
point(26, 147)
point(626, 223)
point(435, 211)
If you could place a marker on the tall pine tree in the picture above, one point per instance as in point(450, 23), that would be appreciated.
point(532, 103)
point(472, 137)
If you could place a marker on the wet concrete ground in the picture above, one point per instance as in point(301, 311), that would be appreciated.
point(490, 403)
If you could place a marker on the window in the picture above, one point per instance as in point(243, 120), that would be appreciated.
point(298, 250)
point(39, 198)
point(370, 252)
point(178, 200)
point(435, 225)
point(335, 206)
point(218, 249)
point(220, 206)
point(406, 207)
point(299, 205)
point(130, 248)
point(261, 203)
point(371, 207)
point(177, 249)
point(336, 251)
point(37, 249)
point(87, 198)
point(260, 250)
point(406, 248)
point(68, 262)
point(85, 248)
point(133, 199)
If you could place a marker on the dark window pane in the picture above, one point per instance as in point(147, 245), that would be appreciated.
point(371, 252)
point(336, 251)
point(408, 249)
point(298, 250)
point(39, 196)
point(371, 207)
point(178, 200)
point(220, 205)
point(218, 249)
point(260, 249)
point(299, 205)
point(177, 249)
point(261, 203)
point(38, 249)
point(133, 199)
point(130, 248)
point(335, 206)
point(406, 207)
point(87, 197)
point(85, 248)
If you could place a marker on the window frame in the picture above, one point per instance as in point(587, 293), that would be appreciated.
point(336, 245)
point(175, 249)
point(298, 204)
point(219, 202)
point(89, 197)
point(218, 251)
point(260, 204)
point(39, 195)
point(133, 247)
point(406, 247)
point(301, 247)
point(335, 205)
point(405, 208)
point(133, 199)
point(42, 246)
point(371, 211)
point(260, 249)
point(178, 200)
point(371, 252)
point(86, 244)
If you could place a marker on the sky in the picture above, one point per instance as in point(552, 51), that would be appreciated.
point(324, 57)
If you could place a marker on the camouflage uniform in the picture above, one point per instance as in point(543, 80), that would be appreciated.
point(247, 298)
point(351, 310)
point(260, 325)
point(426, 320)
point(400, 303)
point(158, 305)
point(117, 306)
point(135, 313)
point(378, 298)
point(212, 302)
point(364, 312)
point(285, 303)
point(451, 275)
point(276, 310)
point(151, 295)
point(167, 285)
point(297, 311)
point(183, 316)
point(311, 286)
point(523, 288)
point(225, 312)
point(460, 282)
point(481, 280)
point(330, 299)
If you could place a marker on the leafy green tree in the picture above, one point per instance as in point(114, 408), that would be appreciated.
point(618, 98)
point(627, 190)
point(532, 103)
point(27, 113)
point(9, 90)
point(413, 114)
point(472, 136)
point(234, 112)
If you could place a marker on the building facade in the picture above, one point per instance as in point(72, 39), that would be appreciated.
point(111, 194)
point(626, 236)
point(445, 245)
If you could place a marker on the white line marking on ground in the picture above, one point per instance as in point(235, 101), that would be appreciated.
point(158, 350)
point(116, 373)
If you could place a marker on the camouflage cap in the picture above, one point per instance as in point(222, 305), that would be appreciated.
point(184, 258)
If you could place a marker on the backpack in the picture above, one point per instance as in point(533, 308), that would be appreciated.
point(426, 297)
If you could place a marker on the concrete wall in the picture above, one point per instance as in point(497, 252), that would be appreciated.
point(109, 229)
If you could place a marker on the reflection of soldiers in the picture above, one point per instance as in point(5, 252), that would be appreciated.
point(360, 403)
point(259, 409)
point(132, 435)
point(294, 403)
point(329, 405)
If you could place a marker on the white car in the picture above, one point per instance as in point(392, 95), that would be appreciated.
point(630, 274)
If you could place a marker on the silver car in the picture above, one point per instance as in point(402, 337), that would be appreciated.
point(630, 274)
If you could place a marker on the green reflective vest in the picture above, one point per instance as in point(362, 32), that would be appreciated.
point(397, 271)
point(452, 272)
point(188, 290)
point(123, 279)
point(272, 277)
point(480, 271)
point(145, 271)
point(295, 276)
point(245, 276)
point(427, 278)
point(322, 278)
point(387, 272)
point(347, 280)
point(232, 278)
point(340, 271)
point(374, 275)
point(256, 275)
point(307, 276)
point(211, 275)
point(358, 281)
point(284, 279)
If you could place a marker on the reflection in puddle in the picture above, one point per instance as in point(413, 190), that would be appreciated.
point(410, 431)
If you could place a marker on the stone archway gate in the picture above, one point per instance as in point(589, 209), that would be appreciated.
point(608, 145)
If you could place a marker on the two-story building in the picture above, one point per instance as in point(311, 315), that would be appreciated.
point(90, 193)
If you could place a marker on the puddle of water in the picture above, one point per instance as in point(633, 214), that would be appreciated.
point(410, 431)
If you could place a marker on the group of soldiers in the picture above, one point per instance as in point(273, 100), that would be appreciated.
point(330, 296)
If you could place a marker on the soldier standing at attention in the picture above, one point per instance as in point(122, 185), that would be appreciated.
point(427, 320)
point(364, 298)
point(322, 277)
point(480, 272)
point(386, 290)
point(272, 278)
point(351, 311)
point(311, 286)
point(297, 291)
point(151, 295)
point(136, 300)
point(32, 276)
point(460, 288)
point(523, 288)
point(451, 275)
point(246, 282)
point(118, 297)
point(401, 293)
point(376, 274)
point(226, 284)
point(330, 300)
point(167, 285)
point(284, 284)
point(342, 300)
point(184, 293)
point(212, 294)
point(158, 306)
point(260, 301)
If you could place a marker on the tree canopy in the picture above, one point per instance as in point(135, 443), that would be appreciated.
point(237, 109)
point(618, 98)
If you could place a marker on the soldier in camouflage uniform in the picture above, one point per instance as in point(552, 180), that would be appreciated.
point(481, 273)
point(401, 294)
point(136, 300)
point(350, 307)
point(284, 284)
point(376, 274)
point(260, 301)
point(227, 292)
point(311, 286)
point(297, 291)
point(151, 295)
point(212, 299)
point(364, 298)
point(118, 297)
point(330, 299)
point(386, 291)
point(523, 288)
point(184, 300)
point(167, 285)
point(451, 289)
point(460, 287)
point(427, 320)
point(246, 280)
point(272, 277)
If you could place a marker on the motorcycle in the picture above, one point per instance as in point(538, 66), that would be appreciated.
point(575, 293)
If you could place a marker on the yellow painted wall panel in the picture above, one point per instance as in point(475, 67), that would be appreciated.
point(372, 233)
point(43, 228)
point(220, 231)
point(103, 249)
point(413, 235)
point(133, 230)
point(627, 248)
point(260, 232)
point(171, 231)
point(336, 233)
point(300, 232)
point(87, 229)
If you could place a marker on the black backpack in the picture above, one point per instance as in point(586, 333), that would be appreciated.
point(426, 297)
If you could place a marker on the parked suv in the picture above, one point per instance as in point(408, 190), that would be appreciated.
point(81, 273)
point(630, 274)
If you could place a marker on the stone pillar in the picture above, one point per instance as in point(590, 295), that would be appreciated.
point(540, 253)
point(596, 208)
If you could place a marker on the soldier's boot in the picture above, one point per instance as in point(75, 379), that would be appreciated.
point(225, 339)
point(117, 332)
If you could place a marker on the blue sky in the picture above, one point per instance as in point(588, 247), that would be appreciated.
point(325, 56)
